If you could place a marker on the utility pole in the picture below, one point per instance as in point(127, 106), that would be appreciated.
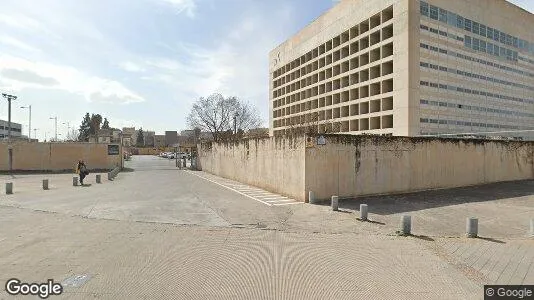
point(55, 126)
point(68, 129)
point(9, 98)
point(10, 149)
point(29, 123)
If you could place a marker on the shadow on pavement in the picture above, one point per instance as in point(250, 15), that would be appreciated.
point(423, 237)
point(371, 221)
point(394, 204)
point(491, 240)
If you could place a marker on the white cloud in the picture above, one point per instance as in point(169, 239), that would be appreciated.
point(11, 41)
point(180, 6)
point(131, 67)
point(244, 28)
point(19, 74)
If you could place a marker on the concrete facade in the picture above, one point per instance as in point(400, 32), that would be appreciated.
point(353, 166)
point(171, 138)
point(57, 156)
point(408, 68)
point(350, 166)
point(274, 164)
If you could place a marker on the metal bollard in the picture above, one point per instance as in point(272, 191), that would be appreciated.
point(74, 181)
point(45, 184)
point(109, 176)
point(311, 197)
point(9, 188)
point(363, 212)
point(98, 178)
point(532, 227)
point(406, 225)
point(472, 227)
point(335, 203)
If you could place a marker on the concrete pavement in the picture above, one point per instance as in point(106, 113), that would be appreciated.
point(156, 232)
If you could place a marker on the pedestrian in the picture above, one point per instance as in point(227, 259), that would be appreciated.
point(81, 169)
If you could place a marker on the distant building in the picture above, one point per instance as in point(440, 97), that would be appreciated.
point(257, 132)
point(16, 129)
point(159, 140)
point(148, 138)
point(103, 136)
point(128, 136)
point(171, 137)
point(115, 135)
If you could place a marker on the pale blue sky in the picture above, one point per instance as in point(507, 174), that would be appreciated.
point(141, 62)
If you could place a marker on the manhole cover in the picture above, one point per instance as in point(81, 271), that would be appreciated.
point(76, 280)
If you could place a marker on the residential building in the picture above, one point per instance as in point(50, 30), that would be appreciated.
point(408, 68)
point(116, 135)
point(16, 129)
point(103, 136)
point(129, 136)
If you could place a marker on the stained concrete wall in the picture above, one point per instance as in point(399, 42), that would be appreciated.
point(274, 164)
point(57, 156)
point(350, 166)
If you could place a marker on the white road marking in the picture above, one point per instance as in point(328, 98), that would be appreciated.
point(230, 189)
point(274, 198)
point(281, 200)
point(291, 203)
point(271, 199)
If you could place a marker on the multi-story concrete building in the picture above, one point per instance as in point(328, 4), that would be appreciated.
point(16, 129)
point(408, 68)
point(171, 138)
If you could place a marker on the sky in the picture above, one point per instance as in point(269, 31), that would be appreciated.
point(140, 63)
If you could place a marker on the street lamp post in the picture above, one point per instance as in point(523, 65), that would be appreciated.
point(29, 122)
point(10, 149)
point(55, 126)
point(35, 133)
point(9, 98)
point(68, 129)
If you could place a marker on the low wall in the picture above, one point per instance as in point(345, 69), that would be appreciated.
point(57, 156)
point(350, 166)
point(274, 164)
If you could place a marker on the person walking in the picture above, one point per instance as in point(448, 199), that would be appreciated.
point(81, 169)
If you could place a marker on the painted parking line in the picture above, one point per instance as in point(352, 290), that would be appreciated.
point(280, 200)
point(225, 186)
point(267, 198)
point(289, 203)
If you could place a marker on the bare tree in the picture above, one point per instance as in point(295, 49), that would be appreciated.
point(73, 135)
point(219, 115)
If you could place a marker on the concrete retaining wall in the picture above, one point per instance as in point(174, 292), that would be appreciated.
point(274, 164)
point(349, 165)
point(358, 165)
point(57, 156)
